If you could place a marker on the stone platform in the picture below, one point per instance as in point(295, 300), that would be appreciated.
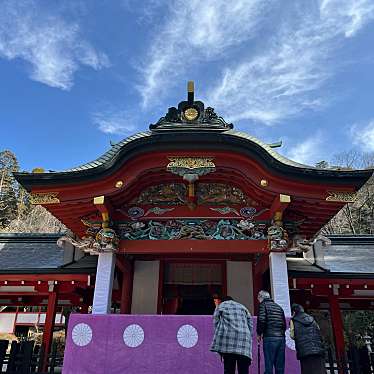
point(148, 344)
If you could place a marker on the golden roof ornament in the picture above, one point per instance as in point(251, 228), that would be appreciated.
point(191, 115)
point(38, 170)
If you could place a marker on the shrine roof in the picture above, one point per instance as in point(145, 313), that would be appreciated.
point(193, 139)
point(351, 254)
point(86, 262)
point(190, 126)
point(347, 255)
point(191, 131)
point(34, 253)
point(301, 265)
point(110, 156)
point(30, 251)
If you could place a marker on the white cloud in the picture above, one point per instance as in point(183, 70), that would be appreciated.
point(146, 11)
point(286, 51)
point(363, 135)
point(53, 47)
point(196, 31)
point(114, 122)
point(282, 81)
point(307, 151)
point(350, 16)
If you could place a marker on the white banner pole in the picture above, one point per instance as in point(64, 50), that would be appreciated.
point(104, 283)
point(279, 281)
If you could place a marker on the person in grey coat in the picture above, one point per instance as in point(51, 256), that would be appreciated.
point(310, 350)
point(233, 335)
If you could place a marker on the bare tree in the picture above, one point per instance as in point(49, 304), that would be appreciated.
point(347, 160)
point(357, 217)
point(37, 219)
point(8, 187)
point(16, 212)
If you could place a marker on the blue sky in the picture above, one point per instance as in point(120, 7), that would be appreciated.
point(75, 75)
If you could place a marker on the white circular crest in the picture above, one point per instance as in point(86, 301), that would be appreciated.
point(187, 336)
point(133, 336)
point(290, 342)
point(81, 334)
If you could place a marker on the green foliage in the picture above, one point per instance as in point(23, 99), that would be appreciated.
point(323, 319)
point(357, 324)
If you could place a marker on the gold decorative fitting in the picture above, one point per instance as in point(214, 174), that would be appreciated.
point(38, 170)
point(278, 216)
point(99, 200)
point(284, 198)
point(105, 216)
point(43, 198)
point(191, 168)
point(119, 184)
point(191, 163)
point(191, 114)
point(264, 183)
point(191, 190)
point(341, 196)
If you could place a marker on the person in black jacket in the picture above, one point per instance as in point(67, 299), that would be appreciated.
point(271, 327)
point(309, 346)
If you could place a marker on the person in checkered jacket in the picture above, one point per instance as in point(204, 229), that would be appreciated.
point(233, 335)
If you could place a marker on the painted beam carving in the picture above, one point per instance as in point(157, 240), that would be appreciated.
point(44, 198)
point(206, 194)
point(341, 196)
point(277, 235)
point(198, 229)
point(99, 238)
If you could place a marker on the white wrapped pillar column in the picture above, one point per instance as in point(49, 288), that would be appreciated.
point(279, 281)
point(104, 283)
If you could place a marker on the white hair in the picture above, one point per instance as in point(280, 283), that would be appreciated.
point(263, 295)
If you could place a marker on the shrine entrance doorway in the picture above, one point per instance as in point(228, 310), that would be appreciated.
point(188, 287)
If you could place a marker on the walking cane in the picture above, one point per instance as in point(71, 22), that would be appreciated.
point(258, 358)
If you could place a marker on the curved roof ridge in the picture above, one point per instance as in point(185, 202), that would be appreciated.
point(115, 149)
point(269, 149)
point(110, 154)
point(174, 139)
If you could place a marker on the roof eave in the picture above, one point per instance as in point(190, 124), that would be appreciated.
point(329, 275)
point(48, 271)
point(175, 141)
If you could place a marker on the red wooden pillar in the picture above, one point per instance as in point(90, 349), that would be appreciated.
point(338, 329)
point(86, 302)
point(84, 309)
point(224, 278)
point(126, 289)
point(256, 287)
point(49, 327)
point(160, 295)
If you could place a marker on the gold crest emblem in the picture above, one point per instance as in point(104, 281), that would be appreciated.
point(191, 114)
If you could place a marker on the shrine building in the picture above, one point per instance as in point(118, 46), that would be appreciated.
point(173, 215)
